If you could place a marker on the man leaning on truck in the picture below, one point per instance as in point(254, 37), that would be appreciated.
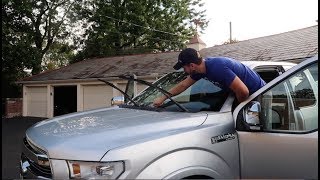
point(229, 74)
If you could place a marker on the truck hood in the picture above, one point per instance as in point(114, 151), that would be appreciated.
point(89, 135)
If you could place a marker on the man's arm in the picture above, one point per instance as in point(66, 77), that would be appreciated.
point(177, 89)
point(240, 89)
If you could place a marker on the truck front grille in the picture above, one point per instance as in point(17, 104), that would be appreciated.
point(34, 162)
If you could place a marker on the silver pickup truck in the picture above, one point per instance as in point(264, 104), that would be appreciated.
point(200, 133)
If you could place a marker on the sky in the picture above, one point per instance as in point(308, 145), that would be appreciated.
point(256, 18)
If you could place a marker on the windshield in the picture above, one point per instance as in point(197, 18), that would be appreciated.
point(201, 96)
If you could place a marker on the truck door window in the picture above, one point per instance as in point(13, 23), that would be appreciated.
point(292, 105)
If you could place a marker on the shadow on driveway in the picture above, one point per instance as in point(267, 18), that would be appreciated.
point(13, 131)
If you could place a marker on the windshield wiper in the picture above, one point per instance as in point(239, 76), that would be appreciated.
point(125, 94)
point(166, 93)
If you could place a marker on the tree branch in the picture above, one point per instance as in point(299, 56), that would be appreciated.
point(56, 29)
point(38, 36)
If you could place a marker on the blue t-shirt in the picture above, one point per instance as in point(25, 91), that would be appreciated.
point(223, 70)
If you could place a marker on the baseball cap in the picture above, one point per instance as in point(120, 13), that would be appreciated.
point(187, 56)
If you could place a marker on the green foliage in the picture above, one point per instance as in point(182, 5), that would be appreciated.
point(57, 56)
point(118, 27)
point(29, 28)
point(36, 34)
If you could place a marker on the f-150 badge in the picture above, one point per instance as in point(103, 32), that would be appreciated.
point(221, 138)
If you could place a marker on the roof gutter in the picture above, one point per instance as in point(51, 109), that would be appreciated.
point(152, 76)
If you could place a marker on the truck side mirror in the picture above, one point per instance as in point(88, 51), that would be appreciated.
point(251, 116)
point(117, 100)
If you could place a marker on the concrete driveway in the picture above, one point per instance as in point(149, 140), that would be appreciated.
point(13, 130)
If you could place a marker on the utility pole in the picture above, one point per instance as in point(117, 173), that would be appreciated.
point(230, 32)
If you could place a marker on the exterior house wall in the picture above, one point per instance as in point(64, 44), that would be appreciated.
point(38, 98)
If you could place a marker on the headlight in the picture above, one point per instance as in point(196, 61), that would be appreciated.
point(95, 170)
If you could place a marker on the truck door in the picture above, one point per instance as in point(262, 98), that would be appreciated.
point(278, 126)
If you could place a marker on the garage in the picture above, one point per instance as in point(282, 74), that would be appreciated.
point(36, 101)
point(50, 100)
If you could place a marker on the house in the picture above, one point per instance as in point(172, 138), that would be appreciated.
point(76, 87)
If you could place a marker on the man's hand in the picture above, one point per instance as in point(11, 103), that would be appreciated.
point(177, 89)
point(158, 101)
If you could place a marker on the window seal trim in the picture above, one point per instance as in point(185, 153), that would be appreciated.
point(288, 132)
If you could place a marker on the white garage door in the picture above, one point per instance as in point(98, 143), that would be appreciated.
point(37, 101)
point(96, 96)
point(122, 86)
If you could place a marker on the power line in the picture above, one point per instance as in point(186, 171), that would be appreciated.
point(152, 29)
point(144, 37)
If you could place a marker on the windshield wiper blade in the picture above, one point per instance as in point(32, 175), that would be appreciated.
point(166, 93)
point(125, 94)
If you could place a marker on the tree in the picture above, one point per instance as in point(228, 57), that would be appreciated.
point(29, 28)
point(57, 56)
point(32, 26)
point(118, 27)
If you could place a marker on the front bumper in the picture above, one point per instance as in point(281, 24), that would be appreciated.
point(28, 170)
point(34, 163)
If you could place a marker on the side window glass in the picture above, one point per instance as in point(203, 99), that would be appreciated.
point(301, 91)
point(292, 105)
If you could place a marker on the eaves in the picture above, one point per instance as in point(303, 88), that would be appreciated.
point(58, 81)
